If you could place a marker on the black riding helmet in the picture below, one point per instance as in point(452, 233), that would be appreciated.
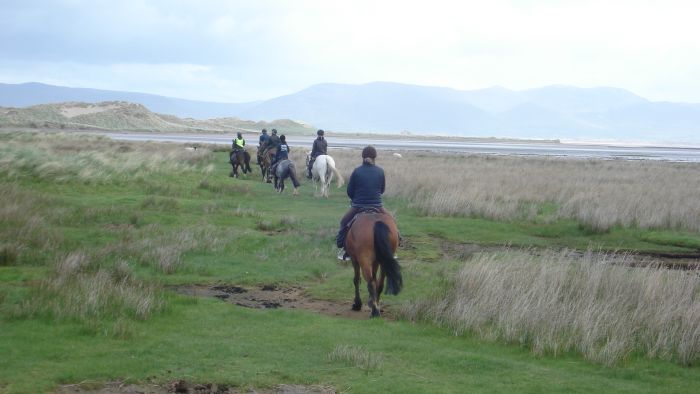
point(274, 131)
point(320, 132)
point(264, 131)
point(283, 138)
point(239, 135)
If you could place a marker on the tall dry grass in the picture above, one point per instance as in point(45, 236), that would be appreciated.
point(25, 234)
point(61, 157)
point(80, 288)
point(556, 303)
point(599, 194)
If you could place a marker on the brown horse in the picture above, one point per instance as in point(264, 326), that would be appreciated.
point(239, 158)
point(371, 243)
point(265, 161)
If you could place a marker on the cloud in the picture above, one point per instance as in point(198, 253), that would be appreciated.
point(274, 47)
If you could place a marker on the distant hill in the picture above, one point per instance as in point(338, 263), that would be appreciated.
point(32, 93)
point(551, 112)
point(121, 115)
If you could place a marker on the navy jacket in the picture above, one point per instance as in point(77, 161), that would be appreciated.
point(366, 186)
point(282, 152)
point(263, 139)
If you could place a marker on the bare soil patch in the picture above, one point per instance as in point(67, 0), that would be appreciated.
point(272, 296)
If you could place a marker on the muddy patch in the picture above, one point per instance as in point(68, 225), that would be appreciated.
point(183, 386)
point(272, 296)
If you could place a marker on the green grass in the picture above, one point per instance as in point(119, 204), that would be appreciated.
point(209, 341)
point(241, 232)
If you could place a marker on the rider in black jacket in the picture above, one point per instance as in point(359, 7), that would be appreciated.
point(320, 148)
point(365, 190)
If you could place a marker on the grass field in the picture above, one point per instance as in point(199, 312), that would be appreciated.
point(97, 235)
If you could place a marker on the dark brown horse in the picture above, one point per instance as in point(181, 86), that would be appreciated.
point(371, 243)
point(265, 161)
point(239, 158)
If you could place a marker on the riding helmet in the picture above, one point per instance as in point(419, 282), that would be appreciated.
point(274, 131)
point(319, 132)
point(264, 131)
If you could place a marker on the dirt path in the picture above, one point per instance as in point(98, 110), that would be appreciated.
point(273, 296)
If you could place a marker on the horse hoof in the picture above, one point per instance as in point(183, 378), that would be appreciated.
point(356, 307)
point(375, 314)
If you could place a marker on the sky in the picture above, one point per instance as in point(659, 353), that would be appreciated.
point(237, 51)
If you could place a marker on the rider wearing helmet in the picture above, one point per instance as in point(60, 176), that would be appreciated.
point(272, 143)
point(274, 140)
point(263, 138)
point(365, 190)
point(320, 148)
point(239, 143)
point(282, 153)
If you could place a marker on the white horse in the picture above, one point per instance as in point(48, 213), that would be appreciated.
point(323, 171)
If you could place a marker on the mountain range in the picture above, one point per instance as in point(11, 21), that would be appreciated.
point(549, 112)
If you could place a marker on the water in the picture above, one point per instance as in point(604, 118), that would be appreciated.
point(574, 150)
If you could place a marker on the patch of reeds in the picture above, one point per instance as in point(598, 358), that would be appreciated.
point(25, 232)
point(599, 194)
point(91, 159)
point(557, 302)
point(80, 289)
point(356, 356)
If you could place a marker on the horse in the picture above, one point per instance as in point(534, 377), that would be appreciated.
point(239, 158)
point(265, 161)
point(285, 169)
point(371, 243)
point(322, 171)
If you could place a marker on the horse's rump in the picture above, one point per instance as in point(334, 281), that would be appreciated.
point(371, 243)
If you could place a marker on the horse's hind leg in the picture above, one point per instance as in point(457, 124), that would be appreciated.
point(357, 305)
point(372, 302)
point(371, 280)
point(380, 285)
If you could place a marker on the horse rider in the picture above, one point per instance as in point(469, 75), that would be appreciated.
point(272, 143)
point(238, 144)
point(282, 153)
point(262, 142)
point(365, 190)
point(320, 148)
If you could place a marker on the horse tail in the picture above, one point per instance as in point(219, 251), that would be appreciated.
point(246, 156)
point(385, 256)
point(331, 164)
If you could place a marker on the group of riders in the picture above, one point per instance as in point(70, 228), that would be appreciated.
point(365, 187)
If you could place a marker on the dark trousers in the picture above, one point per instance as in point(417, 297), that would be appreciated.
point(343, 232)
point(312, 159)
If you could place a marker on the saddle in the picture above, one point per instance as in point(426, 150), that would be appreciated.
point(363, 211)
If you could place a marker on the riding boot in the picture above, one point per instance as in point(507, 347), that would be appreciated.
point(342, 254)
point(340, 238)
point(308, 173)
